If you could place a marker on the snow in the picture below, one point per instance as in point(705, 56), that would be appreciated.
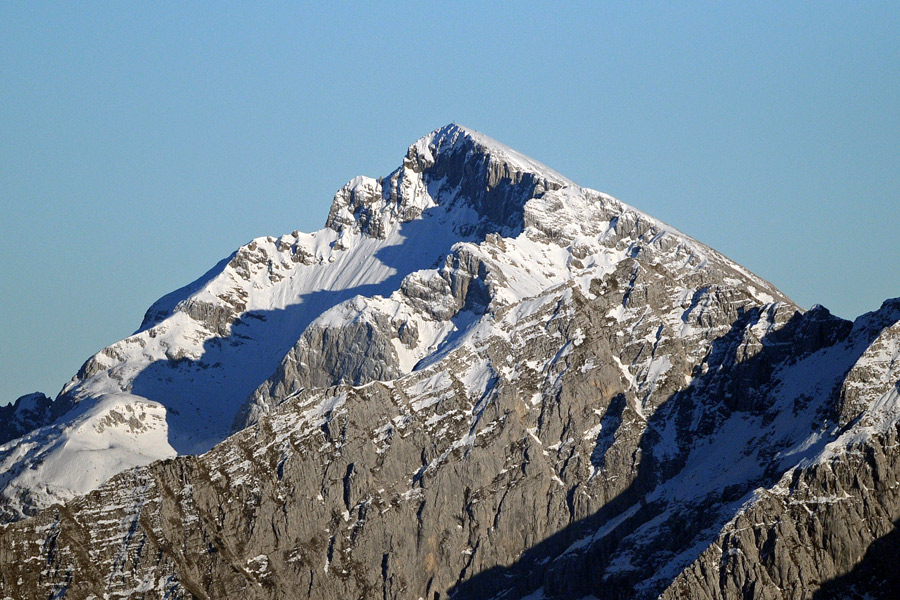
point(118, 432)
point(604, 530)
point(625, 372)
point(593, 432)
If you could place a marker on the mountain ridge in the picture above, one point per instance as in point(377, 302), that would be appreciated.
point(216, 335)
point(480, 380)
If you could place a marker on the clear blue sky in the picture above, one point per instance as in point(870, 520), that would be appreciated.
point(142, 142)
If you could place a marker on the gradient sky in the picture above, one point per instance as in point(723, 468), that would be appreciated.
point(142, 142)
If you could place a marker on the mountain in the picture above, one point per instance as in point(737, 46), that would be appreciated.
point(479, 380)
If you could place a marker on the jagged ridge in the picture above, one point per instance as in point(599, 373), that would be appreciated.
point(210, 358)
point(561, 397)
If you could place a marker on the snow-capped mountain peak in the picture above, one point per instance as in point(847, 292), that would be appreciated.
point(406, 263)
point(487, 382)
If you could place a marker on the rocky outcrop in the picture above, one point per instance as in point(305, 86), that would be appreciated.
point(457, 169)
point(28, 413)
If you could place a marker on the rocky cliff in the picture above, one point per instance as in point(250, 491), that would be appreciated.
point(514, 387)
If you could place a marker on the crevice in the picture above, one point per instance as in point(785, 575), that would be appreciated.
point(385, 565)
point(348, 480)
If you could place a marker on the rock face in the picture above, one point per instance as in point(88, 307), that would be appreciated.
point(542, 393)
point(28, 413)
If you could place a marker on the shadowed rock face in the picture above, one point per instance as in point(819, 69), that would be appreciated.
point(460, 169)
point(27, 413)
point(574, 401)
